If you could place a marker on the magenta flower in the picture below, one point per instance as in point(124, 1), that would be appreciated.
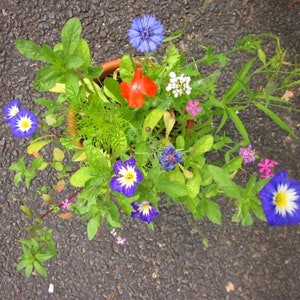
point(266, 167)
point(65, 203)
point(193, 107)
point(247, 154)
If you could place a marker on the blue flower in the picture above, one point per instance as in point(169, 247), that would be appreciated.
point(146, 33)
point(23, 124)
point(128, 176)
point(169, 158)
point(144, 211)
point(11, 109)
point(280, 199)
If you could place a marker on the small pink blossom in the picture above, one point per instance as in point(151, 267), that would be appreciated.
point(266, 167)
point(193, 107)
point(120, 241)
point(65, 203)
point(247, 154)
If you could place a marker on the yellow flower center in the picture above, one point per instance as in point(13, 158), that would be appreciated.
point(129, 176)
point(281, 199)
point(25, 124)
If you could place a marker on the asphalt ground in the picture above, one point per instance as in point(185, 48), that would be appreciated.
point(170, 262)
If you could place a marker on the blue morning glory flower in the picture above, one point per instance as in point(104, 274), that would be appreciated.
point(169, 158)
point(11, 109)
point(146, 33)
point(144, 211)
point(280, 199)
point(127, 177)
point(23, 124)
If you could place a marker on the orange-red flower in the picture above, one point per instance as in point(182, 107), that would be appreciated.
point(135, 90)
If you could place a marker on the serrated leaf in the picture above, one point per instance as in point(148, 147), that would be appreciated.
point(70, 35)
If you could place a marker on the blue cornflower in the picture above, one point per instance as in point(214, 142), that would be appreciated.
point(11, 109)
point(169, 158)
point(280, 199)
point(146, 33)
point(128, 176)
point(144, 211)
point(23, 124)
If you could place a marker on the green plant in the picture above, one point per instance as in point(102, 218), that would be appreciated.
point(123, 141)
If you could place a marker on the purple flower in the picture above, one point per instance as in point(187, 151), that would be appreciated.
point(193, 107)
point(65, 203)
point(266, 167)
point(280, 199)
point(128, 176)
point(247, 154)
point(23, 124)
point(120, 241)
point(169, 158)
point(146, 33)
point(144, 211)
point(11, 109)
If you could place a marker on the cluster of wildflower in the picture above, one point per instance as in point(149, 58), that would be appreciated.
point(22, 122)
point(118, 239)
point(248, 154)
point(179, 85)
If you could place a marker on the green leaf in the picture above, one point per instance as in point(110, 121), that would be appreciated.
point(70, 35)
point(213, 212)
point(26, 210)
point(22, 264)
point(112, 89)
point(150, 122)
point(47, 77)
point(127, 68)
point(80, 177)
point(92, 227)
point(222, 178)
point(231, 111)
point(74, 62)
point(28, 270)
point(58, 155)
point(172, 188)
point(40, 269)
point(83, 51)
point(31, 50)
point(203, 145)
point(37, 145)
point(193, 185)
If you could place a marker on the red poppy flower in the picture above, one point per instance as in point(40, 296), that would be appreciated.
point(135, 90)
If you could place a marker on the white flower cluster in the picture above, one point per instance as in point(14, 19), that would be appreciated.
point(179, 85)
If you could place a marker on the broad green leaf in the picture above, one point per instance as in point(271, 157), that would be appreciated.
point(222, 178)
point(47, 77)
point(180, 143)
point(193, 185)
point(112, 89)
point(80, 177)
point(150, 122)
point(58, 155)
point(31, 50)
point(203, 145)
point(74, 61)
point(83, 51)
point(70, 35)
point(127, 68)
point(213, 212)
point(92, 227)
point(37, 145)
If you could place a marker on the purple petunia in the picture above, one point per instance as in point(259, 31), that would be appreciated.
point(280, 199)
point(146, 33)
point(169, 158)
point(23, 124)
point(11, 109)
point(144, 211)
point(127, 177)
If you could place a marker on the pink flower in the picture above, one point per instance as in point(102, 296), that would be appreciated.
point(193, 107)
point(266, 167)
point(247, 154)
point(65, 203)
